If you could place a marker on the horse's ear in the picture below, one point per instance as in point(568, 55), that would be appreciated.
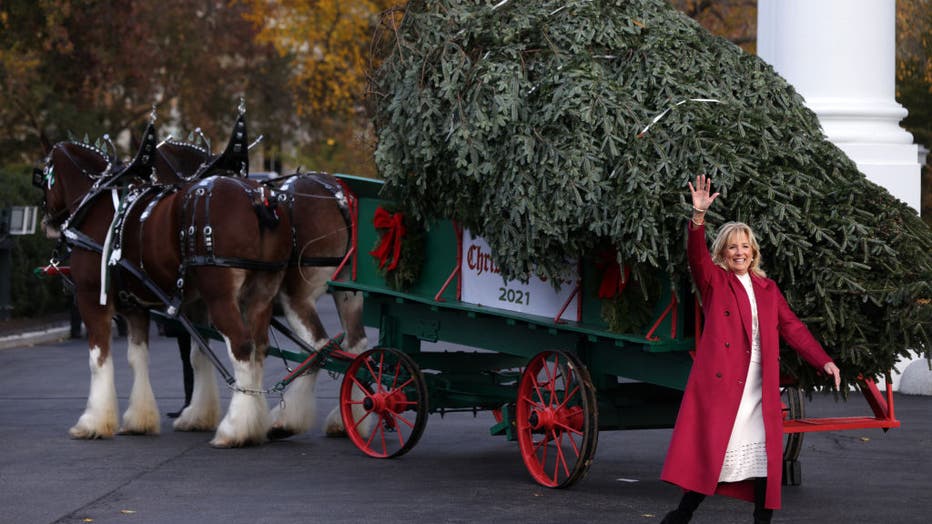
point(38, 178)
point(142, 164)
point(46, 144)
point(235, 157)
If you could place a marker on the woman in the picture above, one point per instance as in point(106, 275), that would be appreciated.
point(728, 436)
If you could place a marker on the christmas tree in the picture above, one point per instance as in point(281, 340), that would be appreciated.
point(553, 128)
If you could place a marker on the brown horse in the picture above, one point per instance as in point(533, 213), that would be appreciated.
point(318, 208)
point(166, 247)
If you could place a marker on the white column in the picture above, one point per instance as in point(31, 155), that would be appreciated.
point(840, 55)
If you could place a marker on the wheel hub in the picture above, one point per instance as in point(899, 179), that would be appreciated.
point(547, 419)
point(383, 402)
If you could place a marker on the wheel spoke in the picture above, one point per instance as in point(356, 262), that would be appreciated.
point(537, 388)
point(378, 383)
point(381, 370)
point(531, 402)
point(406, 384)
point(382, 439)
point(363, 387)
point(375, 431)
point(551, 380)
point(407, 422)
point(397, 374)
point(545, 439)
point(572, 440)
point(408, 403)
point(568, 397)
point(401, 438)
point(556, 362)
point(560, 458)
point(568, 428)
point(358, 422)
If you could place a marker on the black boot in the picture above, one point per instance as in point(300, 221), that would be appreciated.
point(677, 516)
point(762, 515)
point(687, 507)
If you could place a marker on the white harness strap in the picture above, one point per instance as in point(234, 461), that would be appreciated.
point(104, 259)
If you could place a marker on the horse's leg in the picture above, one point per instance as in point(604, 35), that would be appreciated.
point(99, 419)
point(203, 412)
point(298, 410)
point(349, 305)
point(247, 416)
point(142, 415)
point(187, 372)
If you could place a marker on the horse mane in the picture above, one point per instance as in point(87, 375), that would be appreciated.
point(185, 144)
point(111, 163)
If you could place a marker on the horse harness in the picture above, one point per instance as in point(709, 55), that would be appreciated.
point(337, 193)
point(193, 253)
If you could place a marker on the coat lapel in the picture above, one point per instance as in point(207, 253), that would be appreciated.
point(763, 293)
point(744, 304)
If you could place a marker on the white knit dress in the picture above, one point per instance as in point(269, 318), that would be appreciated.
point(746, 456)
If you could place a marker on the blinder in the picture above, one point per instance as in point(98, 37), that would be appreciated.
point(38, 177)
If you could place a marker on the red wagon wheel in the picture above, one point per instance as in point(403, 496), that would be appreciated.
point(383, 401)
point(556, 418)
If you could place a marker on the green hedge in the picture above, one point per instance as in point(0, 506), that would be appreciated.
point(30, 296)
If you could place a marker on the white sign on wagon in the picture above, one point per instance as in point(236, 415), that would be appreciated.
point(482, 284)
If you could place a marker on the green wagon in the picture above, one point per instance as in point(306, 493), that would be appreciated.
point(552, 382)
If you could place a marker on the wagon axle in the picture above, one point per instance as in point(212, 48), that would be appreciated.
point(386, 403)
point(547, 419)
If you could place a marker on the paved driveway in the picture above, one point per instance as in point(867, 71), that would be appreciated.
point(457, 473)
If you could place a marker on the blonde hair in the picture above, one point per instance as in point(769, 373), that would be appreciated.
point(725, 233)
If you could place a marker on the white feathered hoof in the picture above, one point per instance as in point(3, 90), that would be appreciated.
point(246, 422)
point(285, 425)
point(333, 427)
point(278, 432)
point(298, 409)
point(335, 431)
point(192, 419)
point(137, 423)
point(91, 426)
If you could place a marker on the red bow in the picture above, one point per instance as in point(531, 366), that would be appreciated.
point(612, 282)
point(390, 244)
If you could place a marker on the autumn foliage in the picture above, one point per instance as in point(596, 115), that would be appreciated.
point(328, 42)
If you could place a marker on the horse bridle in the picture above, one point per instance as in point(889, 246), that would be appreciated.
point(44, 178)
point(40, 180)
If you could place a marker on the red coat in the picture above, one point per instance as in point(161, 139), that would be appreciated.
point(716, 381)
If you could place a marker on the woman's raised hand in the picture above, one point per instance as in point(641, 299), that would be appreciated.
point(701, 198)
